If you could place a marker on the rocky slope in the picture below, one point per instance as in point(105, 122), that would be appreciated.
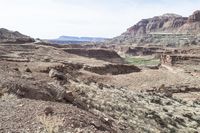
point(47, 89)
point(168, 29)
point(7, 36)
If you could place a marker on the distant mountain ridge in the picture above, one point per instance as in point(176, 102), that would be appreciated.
point(81, 39)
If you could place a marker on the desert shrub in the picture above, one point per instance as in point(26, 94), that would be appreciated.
point(51, 123)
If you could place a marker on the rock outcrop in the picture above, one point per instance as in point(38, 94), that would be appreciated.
point(100, 54)
point(194, 17)
point(113, 69)
point(159, 29)
point(7, 36)
point(181, 57)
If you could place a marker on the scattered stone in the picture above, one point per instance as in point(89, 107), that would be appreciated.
point(162, 87)
point(48, 111)
point(69, 96)
point(157, 101)
point(16, 69)
point(46, 59)
point(107, 121)
point(27, 69)
point(1, 94)
point(98, 125)
point(25, 76)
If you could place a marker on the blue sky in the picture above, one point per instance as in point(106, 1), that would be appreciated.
point(98, 18)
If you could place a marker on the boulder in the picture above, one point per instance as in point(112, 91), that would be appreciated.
point(53, 73)
point(48, 111)
point(28, 70)
point(69, 96)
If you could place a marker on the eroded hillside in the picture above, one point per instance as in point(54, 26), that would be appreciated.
point(45, 88)
point(168, 30)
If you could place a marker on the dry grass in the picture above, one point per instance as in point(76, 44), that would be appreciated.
point(131, 110)
point(6, 96)
point(51, 123)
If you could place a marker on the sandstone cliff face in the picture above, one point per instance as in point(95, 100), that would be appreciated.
point(195, 17)
point(7, 36)
point(157, 29)
point(167, 22)
point(193, 24)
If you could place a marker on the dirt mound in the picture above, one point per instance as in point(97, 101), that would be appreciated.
point(100, 54)
point(114, 69)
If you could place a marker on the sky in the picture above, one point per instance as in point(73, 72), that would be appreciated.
point(49, 19)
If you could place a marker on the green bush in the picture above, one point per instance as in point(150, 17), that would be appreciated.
point(142, 61)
